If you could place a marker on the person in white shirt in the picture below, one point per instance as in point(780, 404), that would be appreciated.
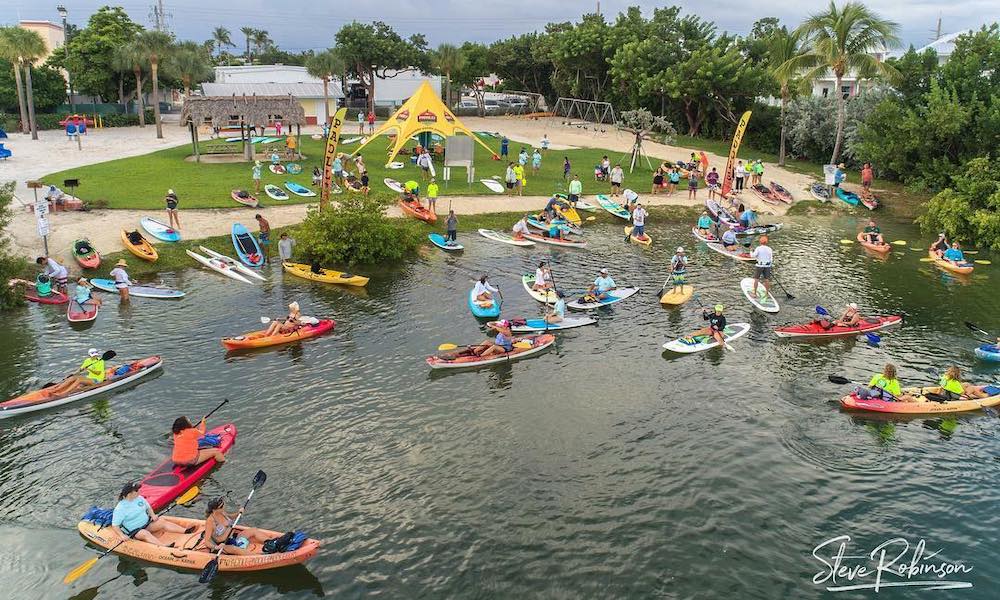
point(617, 177)
point(602, 285)
point(545, 142)
point(510, 178)
point(765, 261)
point(741, 173)
point(122, 281)
point(520, 228)
point(54, 271)
point(483, 290)
point(424, 162)
point(639, 221)
point(630, 197)
point(543, 277)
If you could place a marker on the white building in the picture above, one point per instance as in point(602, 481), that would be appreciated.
point(944, 46)
point(849, 84)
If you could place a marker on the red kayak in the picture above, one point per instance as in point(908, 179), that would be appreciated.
point(168, 481)
point(815, 329)
point(52, 298)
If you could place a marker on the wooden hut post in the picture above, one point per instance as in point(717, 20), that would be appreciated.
point(298, 140)
point(194, 141)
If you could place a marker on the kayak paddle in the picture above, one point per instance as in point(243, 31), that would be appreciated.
point(976, 329)
point(78, 572)
point(212, 568)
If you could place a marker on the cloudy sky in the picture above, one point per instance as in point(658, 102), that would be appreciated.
point(303, 25)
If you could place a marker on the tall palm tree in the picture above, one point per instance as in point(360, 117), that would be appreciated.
point(130, 58)
point(189, 62)
point(325, 65)
point(261, 40)
point(840, 40)
point(784, 46)
point(222, 39)
point(248, 33)
point(448, 59)
point(9, 51)
point(26, 47)
point(155, 46)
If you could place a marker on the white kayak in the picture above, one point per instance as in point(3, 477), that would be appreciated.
point(690, 345)
point(218, 266)
point(767, 302)
point(546, 296)
point(499, 236)
point(613, 296)
point(741, 256)
point(531, 325)
point(235, 264)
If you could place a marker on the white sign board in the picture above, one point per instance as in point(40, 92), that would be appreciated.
point(41, 216)
point(43, 225)
point(829, 171)
point(41, 207)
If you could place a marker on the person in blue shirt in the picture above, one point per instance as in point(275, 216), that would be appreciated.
point(134, 518)
point(558, 311)
point(602, 285)
point(504, 146)
point(839, 175)
point(748, 218)
point(954, 255)
point(501, 344)
point(729, 240)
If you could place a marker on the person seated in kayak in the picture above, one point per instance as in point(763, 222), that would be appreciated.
point(602, 285)
point(520, 228)
point(543, 278)
point(288, 325)
point(954, 388)
point(93, 368)
point(186, 451)
point(748, 218)
point(873, 235)
point(705, 224)
point(729, 241)
point(716, 324)
point(133, 517)
point(850, 318)
point(954, 255)
point(941, 245)
point(884, 386)
point(483, 290)
point(558, 311)
point(219, 526)
point(678, 268)
point(501, 344)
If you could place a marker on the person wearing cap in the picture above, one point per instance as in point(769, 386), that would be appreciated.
point(501, 344)
point(639, 215)
point(122, 281)
point(716, 324)
point(171, 201)
point(839, 175)
point(678, 268)
point(432, 194)
point(54, 271)
point(558, 311)
point(133, 517)
point(93, 368)
point(850, 318)
point(255, 173)
point(289, 324)
point(602, 285)
point(762, 271)
point(543, 277)
point(941, 245)
point(83, 293)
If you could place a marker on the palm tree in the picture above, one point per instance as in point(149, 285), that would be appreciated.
point(25, 48)
point(782, 47)
point(325, 66)
point(130, 58)
point(261, 40)
point(9, 51)
point(155, 46)
point(189, 62)
point(840, 40)
point(221, 38)
point(448, 59)
point(248, 32)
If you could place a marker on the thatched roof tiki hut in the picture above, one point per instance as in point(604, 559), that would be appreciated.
point(242, 112)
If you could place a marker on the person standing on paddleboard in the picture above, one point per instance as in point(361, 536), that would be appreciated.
point(122, 282)
point(678, 269)
point(639, 221)
point(452, 227)
point(765, 261)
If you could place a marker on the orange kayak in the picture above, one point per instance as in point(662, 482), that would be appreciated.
point(190, 551)
point(882, 248)
point(417, 211)
point(963, 269)
point(257, 339)
point(140, 247)
point(923, 406)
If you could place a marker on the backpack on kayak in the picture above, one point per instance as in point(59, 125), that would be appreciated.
point(99, 516)
point(210, 440)
point(135, 237)
point(288, 542)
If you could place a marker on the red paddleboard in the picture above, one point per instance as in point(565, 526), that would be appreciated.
point(168, 481)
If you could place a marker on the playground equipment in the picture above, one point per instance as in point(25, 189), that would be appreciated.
point(586, 114)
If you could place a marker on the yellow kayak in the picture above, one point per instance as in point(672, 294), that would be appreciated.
point(324, 275)
point(570, 215)
point(645, 240)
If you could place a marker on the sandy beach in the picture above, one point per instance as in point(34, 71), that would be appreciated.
point(53, 152)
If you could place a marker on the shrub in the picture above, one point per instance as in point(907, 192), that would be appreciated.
point(10, 264)
point(356, 231)
point(968, 211)
point(129, 120)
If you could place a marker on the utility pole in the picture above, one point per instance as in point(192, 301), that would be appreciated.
point(159, 16)
point(69, 82)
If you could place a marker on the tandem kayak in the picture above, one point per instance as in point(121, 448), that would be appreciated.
point(924, 405)
point(816, 328)
point(484, 308)
point(135, 243)
point(465, 359)
point(139, 291)
point(70, 390)
point(160, 231)
point(699, 343)
point(188, 551)
point(85, 254)
point(324, 275)
point(257, 339)
point(613, 296)
point(962, 269)
point(169, 480)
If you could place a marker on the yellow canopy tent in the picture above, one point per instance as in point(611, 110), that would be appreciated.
point(423, 112)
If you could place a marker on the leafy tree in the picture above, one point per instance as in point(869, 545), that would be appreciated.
point(92, 49)
point(523, 60)
point(130, 57)
point(48, 83)
point(261, 40)
point(783, 46)
point(24, 47)
point(248, 34)
point(841, 39)
point(325, 65)
point(969, 210)
point(155, 46)
point(221, 39)
point(376, 49)
point(189, 62)
point(357, 231)
point(10, 53)
point(474, 65)
point(11, 264)
point(916, 71)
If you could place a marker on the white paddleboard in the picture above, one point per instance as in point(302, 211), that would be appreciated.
point(745, 257)
point(613, 296)
point(689, 345)
point(235, 264)
point(540, 324)
point(499, 236)
point(767, 303)
point(546, 296)
point(395, 165)
point(493, 185)
point(393, 185)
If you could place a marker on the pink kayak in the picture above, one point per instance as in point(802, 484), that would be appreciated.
point(169, 480)
point(816, 329)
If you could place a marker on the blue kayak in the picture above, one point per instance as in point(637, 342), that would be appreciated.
point(481, 311)
point(438, 240)
point(247, 248)
point(848, 197)
point(988, 352)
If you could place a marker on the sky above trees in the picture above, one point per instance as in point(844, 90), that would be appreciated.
point(306, 24)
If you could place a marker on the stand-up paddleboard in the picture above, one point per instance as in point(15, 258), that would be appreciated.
point(493, 185)
point(351, 140)
point(709, 239)
point(612, 207)
point(678, 296)
point(645, 240)
point(743, 255)
point(587, 206)
point(766, 302)
point(699, 343)
point(499, 236)
point(393, 185)
point(547, 296)
point(562, 242)
point(438, 240)
point(247, 248)
point(529, 325)
point(484, 308)
point(299, 190)
point(81, 313)
point(160, 231)
point(395, 165)
point(139, 291)
point(275, 192)
point(613, 296)
point(276, 169)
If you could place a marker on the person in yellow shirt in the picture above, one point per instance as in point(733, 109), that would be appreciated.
point(953, 387)
point(291, 143)
point(521, 182)
point(93, 368)
point(432, 194)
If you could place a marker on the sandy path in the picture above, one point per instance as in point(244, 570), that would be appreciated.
point(52, 152)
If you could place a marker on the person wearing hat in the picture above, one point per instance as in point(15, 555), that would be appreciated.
point(762, 271)
point(133, 517)
point(122, 281)
point(839, 175)
point(290, 323)
point(255, 173)
point(850, 318)
point(716, 324)
point(558, 311)
point(678, 268)
point(602, 285)
point(93, 368)
point(501, 344)
point(171, 200)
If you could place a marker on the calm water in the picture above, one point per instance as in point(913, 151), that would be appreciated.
point(603, 468)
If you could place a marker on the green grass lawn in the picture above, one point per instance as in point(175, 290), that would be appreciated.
point(141, 182)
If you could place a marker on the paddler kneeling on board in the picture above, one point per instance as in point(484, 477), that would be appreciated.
point(884, 386)
point(483, 290)
point(716, 324)
point(601, 286)
point(520, 228)
point(729, 241)
point(290, 323)
point(501, 344)
point(133, 517)
point(705, 225)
